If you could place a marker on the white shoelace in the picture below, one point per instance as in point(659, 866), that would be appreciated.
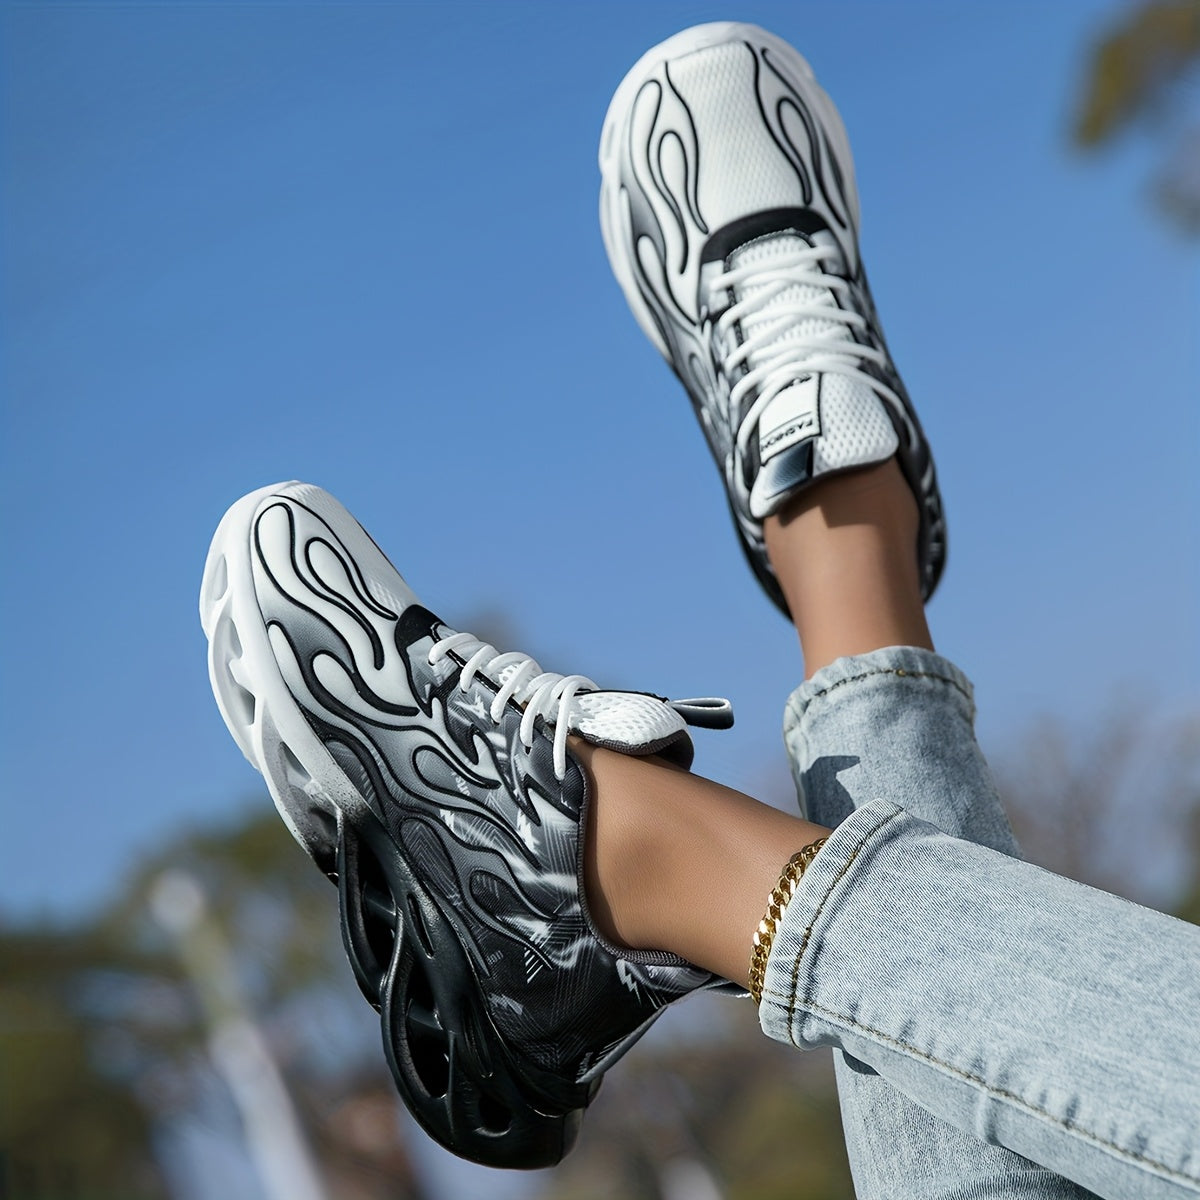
point(776, 362)
point(543, 693)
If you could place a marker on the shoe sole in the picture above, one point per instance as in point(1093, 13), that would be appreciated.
point(305, 783)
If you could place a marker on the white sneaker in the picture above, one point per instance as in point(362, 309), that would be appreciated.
point(730, 217)
point(429, 776)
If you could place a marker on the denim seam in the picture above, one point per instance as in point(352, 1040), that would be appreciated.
point(999, 1093)
point(800, 950)
point(833, 687)
point(794, 1003)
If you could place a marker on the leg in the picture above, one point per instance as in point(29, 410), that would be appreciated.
point(1016, 1053)
point(721, 137)
point(1025, 1010)
point(699, 830)
point(434, 778)
point(872, 721)
point(842, 552)
point(1028, 1010)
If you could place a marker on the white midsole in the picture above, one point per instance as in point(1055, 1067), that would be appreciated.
point(306, 784)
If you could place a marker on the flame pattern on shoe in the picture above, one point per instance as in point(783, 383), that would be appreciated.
point(428, 775)
point(730, 213)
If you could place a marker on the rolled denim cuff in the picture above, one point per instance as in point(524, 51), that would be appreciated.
point(1026, 1009)
point(798, 937)
point(896, 724)
point(857, 676)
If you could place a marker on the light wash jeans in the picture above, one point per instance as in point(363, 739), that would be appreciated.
point(989, 1015)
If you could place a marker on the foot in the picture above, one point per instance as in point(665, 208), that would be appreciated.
point(430, 777)
point(730, 216)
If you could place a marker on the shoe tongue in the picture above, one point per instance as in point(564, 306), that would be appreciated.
point(765, 252)
point(631, 722)
point(824, 421)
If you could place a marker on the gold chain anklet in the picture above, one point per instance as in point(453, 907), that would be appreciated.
point(777, 901)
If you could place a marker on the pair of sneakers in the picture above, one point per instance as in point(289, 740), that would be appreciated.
point(427, 773)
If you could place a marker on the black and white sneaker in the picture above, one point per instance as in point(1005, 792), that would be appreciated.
point(429, 776)
point(730, 216)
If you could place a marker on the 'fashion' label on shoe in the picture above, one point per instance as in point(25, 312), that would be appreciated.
point(792, 416)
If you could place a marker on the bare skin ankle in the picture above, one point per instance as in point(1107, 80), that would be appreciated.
point(844, 551)
point(676, 862)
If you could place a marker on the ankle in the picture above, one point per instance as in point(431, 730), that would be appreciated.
point(679, 863)
point(876, 497)
point(845, 553)
point(619, 851)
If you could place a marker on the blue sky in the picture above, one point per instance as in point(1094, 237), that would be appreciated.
point(357, 244)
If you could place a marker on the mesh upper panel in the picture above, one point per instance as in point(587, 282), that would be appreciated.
point(763, 252)
point(855, 429)
point(754, 175)
point(624, 718)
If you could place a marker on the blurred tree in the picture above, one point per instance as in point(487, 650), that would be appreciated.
point(104, 1048)
point(71, 1124)
point(1111, 806)
point(1144, 72)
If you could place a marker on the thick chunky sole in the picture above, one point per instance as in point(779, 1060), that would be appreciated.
point(453, 1068)
point(307, 786)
